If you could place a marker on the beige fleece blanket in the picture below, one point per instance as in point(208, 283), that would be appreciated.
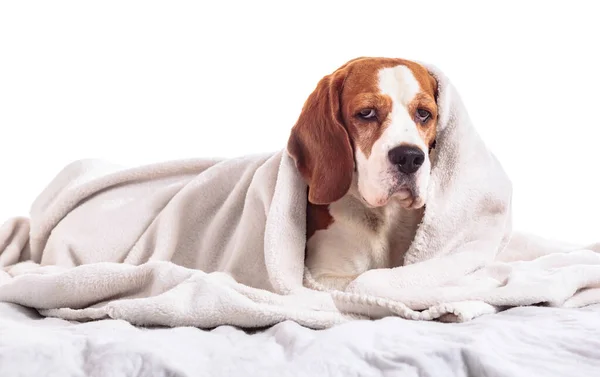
point(212, 242)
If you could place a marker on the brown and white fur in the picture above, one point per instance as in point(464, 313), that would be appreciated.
point(351, 143)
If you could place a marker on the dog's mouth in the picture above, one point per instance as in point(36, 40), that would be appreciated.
point(407, 194)
point(393, 187)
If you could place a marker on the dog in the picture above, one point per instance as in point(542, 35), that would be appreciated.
point(363, 144)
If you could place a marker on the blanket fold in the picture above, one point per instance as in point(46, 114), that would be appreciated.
point(209, 242)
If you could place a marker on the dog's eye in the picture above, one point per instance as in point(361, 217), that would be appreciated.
point(423, 115)
point(367, 113)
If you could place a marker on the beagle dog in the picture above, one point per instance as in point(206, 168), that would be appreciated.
point(362, 143)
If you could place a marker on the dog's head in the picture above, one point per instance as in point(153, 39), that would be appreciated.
point(368, 127)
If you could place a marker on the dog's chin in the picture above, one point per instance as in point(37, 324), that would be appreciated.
point(376, 201)
point(407, 197)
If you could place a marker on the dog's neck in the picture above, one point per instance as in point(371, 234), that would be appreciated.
point(347, 237)
point(390, 227)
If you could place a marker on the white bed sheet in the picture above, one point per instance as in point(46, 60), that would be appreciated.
point(532, 341)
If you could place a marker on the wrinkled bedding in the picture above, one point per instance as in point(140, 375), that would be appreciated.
point(527, 341)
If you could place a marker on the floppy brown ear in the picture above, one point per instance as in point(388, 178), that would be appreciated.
point(435, 86)
point(320, 145)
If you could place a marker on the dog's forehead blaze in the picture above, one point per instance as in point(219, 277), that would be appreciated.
point(362, 79)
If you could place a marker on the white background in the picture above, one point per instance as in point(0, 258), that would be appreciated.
point(143, 81)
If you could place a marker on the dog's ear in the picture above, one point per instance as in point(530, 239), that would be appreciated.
point(320, 145)
point(435, 86)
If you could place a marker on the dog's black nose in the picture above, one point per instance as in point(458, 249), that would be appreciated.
point(407, 158)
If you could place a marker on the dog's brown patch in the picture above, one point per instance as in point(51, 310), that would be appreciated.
point(361, 90)
point(317, 218)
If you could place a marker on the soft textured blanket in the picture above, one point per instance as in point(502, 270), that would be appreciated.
point(520, 342)
point(212, 242)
